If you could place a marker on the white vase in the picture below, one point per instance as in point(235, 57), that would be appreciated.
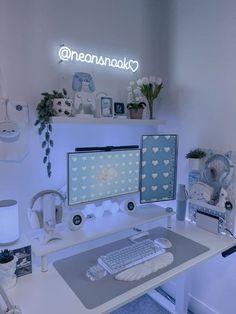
point(195, 164)
point(7, 274)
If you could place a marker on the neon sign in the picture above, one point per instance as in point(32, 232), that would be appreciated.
point(67, 54)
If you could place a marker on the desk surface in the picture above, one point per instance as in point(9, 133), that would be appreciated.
point(48, 292)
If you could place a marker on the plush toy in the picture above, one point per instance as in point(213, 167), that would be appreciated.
point(84, 98)
point(223, 198)
point(201, 191)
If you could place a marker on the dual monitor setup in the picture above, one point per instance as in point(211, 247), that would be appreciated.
point(99, 173)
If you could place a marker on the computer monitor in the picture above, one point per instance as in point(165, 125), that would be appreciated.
point(158, 168)
point(97, 175)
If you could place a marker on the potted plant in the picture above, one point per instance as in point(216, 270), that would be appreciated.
point(45, 111)
point(150, 88)
point(136, 110)
point(195, 157)
point(7, 268)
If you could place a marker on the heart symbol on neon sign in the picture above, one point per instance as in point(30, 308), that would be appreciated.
point(133, 65)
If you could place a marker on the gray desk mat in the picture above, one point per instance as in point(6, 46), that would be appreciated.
point(94, 293)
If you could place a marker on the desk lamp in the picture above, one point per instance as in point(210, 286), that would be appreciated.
point(9, 222)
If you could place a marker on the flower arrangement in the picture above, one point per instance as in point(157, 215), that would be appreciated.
point(150, 88)
point(135, 98)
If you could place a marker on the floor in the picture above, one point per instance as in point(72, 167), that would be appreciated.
point(142, 305)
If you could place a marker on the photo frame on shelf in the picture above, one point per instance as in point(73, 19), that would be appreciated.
point(119, 110)
point(106, 107)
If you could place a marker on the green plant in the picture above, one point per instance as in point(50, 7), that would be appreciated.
point(196, 153)
point(136, 106)
point(45, 111)
point(6, 256)
point(150, 88)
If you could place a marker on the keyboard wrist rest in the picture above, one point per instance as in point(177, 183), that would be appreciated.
point(142, 270)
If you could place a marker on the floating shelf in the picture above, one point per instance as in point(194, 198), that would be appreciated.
point(102, 121)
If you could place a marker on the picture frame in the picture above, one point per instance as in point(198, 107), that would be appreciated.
point(119, 109)
point(24, 263)
point(106, 107)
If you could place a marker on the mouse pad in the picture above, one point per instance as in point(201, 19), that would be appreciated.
point(94, 293)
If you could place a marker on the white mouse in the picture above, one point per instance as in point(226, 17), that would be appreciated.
point(163, 243)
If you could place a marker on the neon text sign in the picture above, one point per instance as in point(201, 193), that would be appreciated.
point(67, 54)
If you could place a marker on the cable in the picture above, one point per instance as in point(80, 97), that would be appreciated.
point(230, 233)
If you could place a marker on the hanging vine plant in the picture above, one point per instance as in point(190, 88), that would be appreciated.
point(45, 112)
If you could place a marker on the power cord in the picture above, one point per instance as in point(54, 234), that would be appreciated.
point(230, 233)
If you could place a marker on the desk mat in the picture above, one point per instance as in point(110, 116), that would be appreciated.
point(94, 293)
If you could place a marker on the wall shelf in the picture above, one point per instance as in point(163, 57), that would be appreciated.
point(104, 121)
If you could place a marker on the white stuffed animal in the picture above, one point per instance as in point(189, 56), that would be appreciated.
point(201, 191)
point(222, 199)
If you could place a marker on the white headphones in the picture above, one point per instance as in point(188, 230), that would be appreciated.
point(35, 216)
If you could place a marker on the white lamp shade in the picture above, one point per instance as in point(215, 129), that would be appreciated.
point(9, 222)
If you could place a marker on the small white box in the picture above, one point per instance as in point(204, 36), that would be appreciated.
point(207, 222)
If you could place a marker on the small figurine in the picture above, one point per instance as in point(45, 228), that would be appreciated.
point(84, 98)
point(223, 198)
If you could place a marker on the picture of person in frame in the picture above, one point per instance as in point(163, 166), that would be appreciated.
point(106, 107)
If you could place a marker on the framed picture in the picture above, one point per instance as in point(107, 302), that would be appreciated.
point(119, 109)
point(24, 263)
point(106, 107)
point(158, 168)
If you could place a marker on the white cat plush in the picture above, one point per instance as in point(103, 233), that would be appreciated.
point(201, 191)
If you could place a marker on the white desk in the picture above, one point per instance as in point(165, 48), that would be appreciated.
point(48, 293)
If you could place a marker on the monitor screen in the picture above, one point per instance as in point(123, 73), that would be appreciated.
point(102, 174)
point(158, 168)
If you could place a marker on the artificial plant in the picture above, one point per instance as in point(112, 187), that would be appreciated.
point(45, 112)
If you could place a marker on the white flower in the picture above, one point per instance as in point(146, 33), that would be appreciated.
point(158, 80)
point(137, 99)
point(139, 82)
point(136, 91)
point(145, 81)
point(132, 83)
point(152, 79)
point(129, 88)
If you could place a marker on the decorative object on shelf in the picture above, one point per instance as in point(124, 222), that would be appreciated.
point(136, 110)
point(119, 110)
point(45, 112)
point(63, 106)
point(158, 168)
point(150, 88)
point(84, 97)
point(212, 191)
point(7, 269)
point(136, 102)
point(106, 107)
point(195, 157)
point(9, 222)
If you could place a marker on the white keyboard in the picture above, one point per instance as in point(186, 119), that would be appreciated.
point(134, 254)
point(140, 271)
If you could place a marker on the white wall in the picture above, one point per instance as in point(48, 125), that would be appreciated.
point(201, 108)
point(30, 33)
